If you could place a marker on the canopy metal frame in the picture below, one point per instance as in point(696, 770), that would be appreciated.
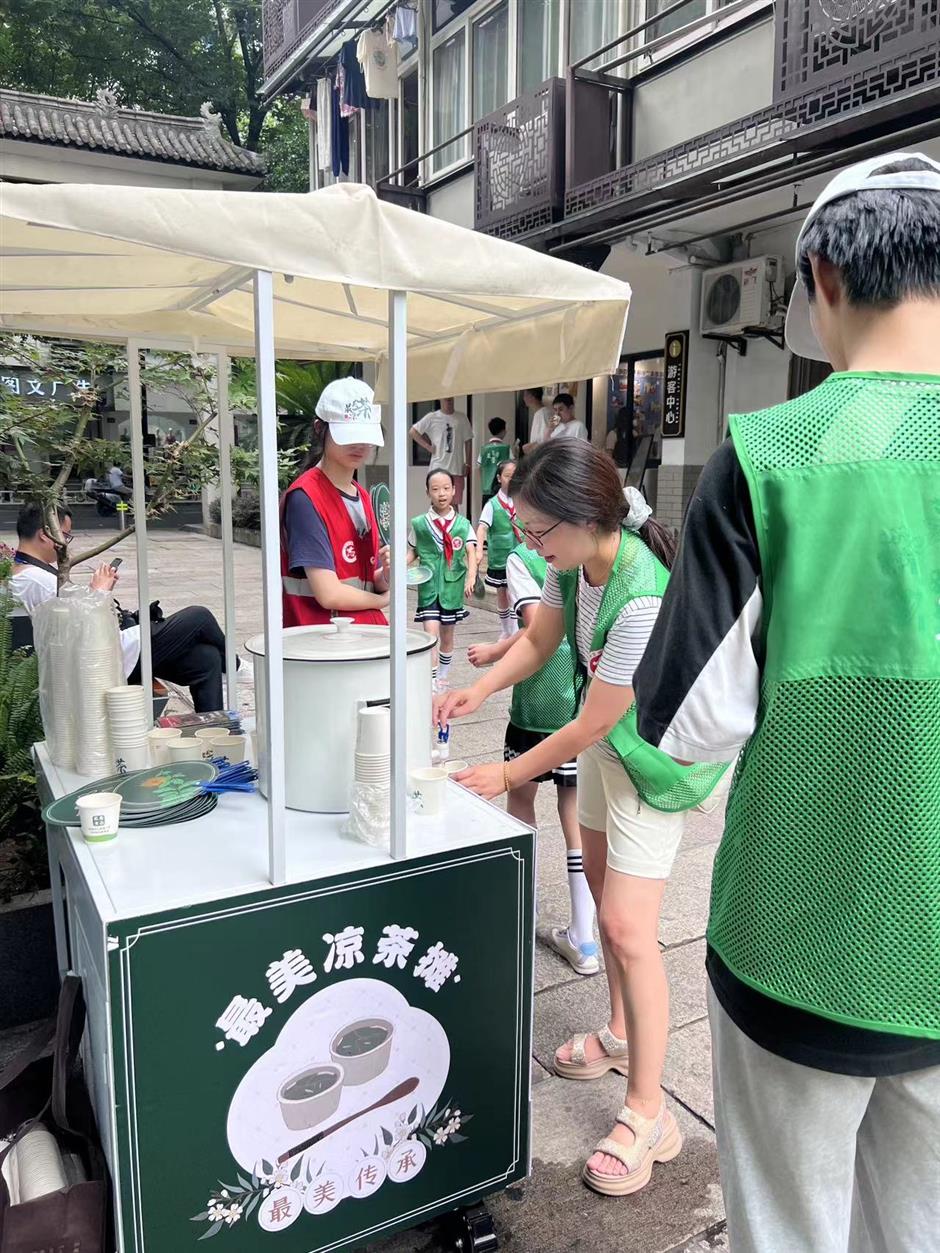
point(273, 711)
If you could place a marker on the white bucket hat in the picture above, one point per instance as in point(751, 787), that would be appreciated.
point(348, 406)
point(800, 336)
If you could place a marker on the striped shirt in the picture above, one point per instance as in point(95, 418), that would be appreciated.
point(627, 638)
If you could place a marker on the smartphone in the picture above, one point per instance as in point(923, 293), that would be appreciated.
point(116, 562)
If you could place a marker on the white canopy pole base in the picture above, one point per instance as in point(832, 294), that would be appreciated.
point(273, 713)
point(398, 610)
point(140, 523)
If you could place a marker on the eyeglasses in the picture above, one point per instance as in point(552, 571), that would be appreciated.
point(67, 538)
point(537, 537)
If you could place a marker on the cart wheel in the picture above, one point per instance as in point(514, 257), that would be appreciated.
point(475, 1232)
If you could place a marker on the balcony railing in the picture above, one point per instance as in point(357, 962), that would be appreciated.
point(520, 162)
point(286, 23)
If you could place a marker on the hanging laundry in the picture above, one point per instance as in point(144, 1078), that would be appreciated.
point(379, 61)
point(339, 146)
point(324, 124)
point(354, 94)
point(404, 24)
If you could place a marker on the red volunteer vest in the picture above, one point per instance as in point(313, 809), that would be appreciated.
point(354, 555)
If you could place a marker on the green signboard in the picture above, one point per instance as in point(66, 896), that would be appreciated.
point(321, 1064)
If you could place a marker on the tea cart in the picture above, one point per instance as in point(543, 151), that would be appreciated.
point(293, 1035)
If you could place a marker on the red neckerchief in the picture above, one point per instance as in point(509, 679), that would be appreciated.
point(511, 511)
point(444, 525)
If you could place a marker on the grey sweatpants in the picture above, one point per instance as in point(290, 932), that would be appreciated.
point(813, 1162)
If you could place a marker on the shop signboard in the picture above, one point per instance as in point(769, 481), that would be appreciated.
point(319, 1065)
point(675, 383)
point(16, 381)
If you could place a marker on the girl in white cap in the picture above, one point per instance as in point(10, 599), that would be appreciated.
point(332, 564)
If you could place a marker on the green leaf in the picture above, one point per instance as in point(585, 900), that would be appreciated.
point(456, 1138)
point(387, 1136)
point(295, 1173)
point(200, 1218)
point(413, 1115)
point(266, 1167)
point(213, 1231)
point(244, 1182)
point(252, 1205)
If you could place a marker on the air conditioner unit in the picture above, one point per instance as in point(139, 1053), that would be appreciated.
point(742, 297)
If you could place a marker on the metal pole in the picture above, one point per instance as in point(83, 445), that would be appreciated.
point(313, 172)
point(398, 610)
point(273, 712)
point(226, 439)
point(140, 522)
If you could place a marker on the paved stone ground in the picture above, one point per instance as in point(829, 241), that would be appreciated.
point(552, 1212)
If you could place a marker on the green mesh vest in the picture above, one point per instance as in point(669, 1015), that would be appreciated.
point(448, 582)
point(826, 890)
point(501, 539)
point(490, 457)
point(659, 780)
point(545, 702)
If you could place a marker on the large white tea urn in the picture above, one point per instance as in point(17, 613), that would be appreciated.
point(329, 673)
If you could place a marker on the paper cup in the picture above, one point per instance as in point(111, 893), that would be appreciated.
point(157, 740)
point(428, 786)
point(100, 815)
point(374, 731)
point(127, 759)
point(231, 747)
point(454, 767)
point(184, 749)
point(209, 733)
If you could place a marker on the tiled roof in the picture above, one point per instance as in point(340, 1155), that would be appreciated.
point(104, 126)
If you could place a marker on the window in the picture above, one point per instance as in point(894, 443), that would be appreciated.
point(408, 127)
point(375, 139)
point(449, 111)
point(444, 11)
point(696, 8)
point(537, 41)
point(491, 61)
point(591, 24)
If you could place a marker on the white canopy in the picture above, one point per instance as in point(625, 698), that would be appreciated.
point(176, 267)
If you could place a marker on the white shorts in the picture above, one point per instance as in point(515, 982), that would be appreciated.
point(640, 841)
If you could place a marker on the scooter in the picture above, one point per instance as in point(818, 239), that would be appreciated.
point(106, 497)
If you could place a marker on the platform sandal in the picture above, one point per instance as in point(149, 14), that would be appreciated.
point(657, 1140)
point(615, 1057)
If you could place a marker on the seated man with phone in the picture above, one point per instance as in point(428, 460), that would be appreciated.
point(188, 647)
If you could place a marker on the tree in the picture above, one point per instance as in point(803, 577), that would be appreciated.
point(170, 56)
point(45, 443)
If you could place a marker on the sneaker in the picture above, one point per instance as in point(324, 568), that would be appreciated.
point(582, 958)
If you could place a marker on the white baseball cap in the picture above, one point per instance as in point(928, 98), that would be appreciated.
point(348, 406)
point(800, 336)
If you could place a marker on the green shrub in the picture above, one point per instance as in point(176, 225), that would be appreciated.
point(23, 863)
point(246, 511)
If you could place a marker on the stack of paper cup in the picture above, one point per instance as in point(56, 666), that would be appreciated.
point(373, 746)
point(127, 720)
point(96, 665)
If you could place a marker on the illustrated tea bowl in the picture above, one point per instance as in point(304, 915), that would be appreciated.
point(310, 1096)
point(362, 1049)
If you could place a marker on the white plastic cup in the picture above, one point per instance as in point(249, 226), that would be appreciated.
point(374, 738)
point(185, 748)
point(232, 747)
point(454, 767)
point(428, 788)
point(209, 733)
point(157, 740)
point(100, 816)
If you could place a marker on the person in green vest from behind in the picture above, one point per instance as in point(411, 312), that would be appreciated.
point(492, 454)
point(442, 541)
point(803, 623)
point(607, 568)
point(498, 531)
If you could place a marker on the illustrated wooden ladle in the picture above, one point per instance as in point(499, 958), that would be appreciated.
point(404, 1089)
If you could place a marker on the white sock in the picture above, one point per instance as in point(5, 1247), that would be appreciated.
point(444, 665)
point(506, 618)
point(581, 926)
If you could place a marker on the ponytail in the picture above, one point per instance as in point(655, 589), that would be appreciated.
point(317, 444)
